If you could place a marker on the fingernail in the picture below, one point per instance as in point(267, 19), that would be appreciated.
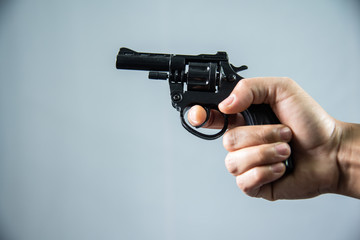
point(285, 134)
point(282, 149)
point(278, 168)
point(228, 101)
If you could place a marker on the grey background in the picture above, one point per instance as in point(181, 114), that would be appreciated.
point(91, 152)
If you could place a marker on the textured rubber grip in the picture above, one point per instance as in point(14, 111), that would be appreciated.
point(262, 114)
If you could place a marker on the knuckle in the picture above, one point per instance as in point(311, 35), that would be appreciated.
point(272, 134)
point(230, 165)
point(228, 140)
point(264, 154)
point(244, 186)
point(241, 184)
point(259, 155)
point(288, 80)
point(263, 135)
point(257, 175)
point(269, 134)
point(245, 82)
point(231, 139)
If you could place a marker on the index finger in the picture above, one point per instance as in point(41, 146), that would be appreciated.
point(197, 116)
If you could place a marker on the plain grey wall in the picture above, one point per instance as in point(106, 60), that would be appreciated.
point(91, 152)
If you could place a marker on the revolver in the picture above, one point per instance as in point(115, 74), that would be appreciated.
point(205, 79)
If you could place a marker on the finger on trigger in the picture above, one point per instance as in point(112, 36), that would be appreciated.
point(197, 115)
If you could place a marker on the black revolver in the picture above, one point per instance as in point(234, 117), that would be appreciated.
point(205, 79)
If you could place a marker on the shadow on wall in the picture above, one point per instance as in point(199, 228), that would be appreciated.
point(3, 4)
point(3, 7)
point(357, 6)
point(4, 234)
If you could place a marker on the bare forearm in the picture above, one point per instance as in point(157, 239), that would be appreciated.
point(349, 160)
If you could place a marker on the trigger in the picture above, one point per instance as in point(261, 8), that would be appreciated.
point(202, 135)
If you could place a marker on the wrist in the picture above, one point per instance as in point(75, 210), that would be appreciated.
point(348, 159)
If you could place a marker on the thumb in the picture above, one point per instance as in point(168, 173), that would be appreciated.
point(269, 90)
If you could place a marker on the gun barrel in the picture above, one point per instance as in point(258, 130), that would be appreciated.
point(129, 59)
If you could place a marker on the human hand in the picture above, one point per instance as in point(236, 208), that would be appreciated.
point(256, 152)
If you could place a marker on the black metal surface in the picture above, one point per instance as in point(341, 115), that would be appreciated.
point(205, 80)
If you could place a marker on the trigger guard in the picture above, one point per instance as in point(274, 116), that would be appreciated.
point(202, 135)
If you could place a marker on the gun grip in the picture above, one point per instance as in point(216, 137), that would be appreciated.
point(262, 114)
point(193, 131)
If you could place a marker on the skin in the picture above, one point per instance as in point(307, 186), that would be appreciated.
point(326, 151)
